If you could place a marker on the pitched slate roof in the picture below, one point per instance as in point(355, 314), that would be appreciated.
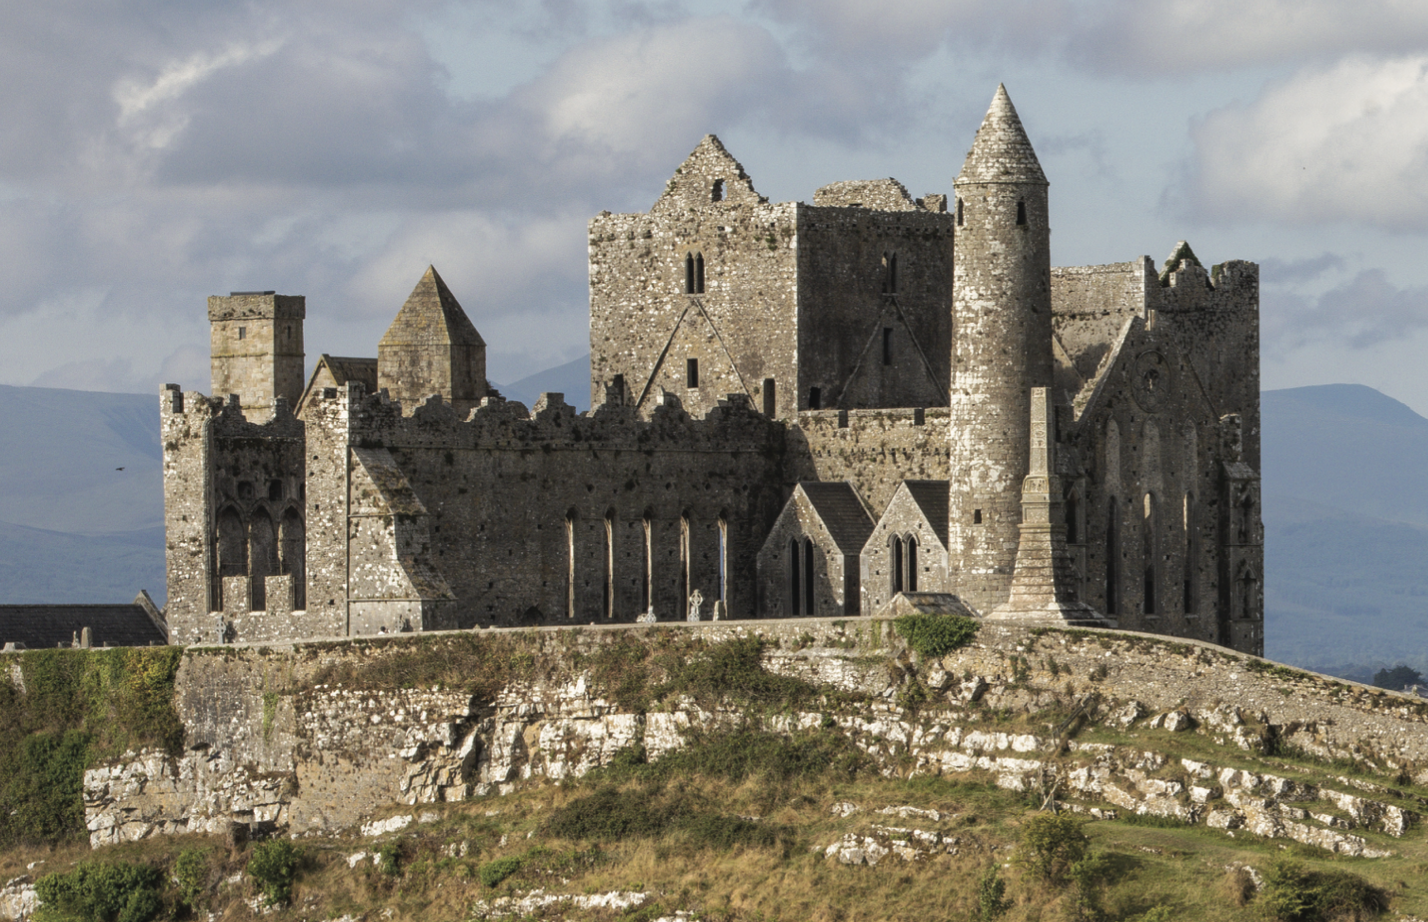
point(931, 498)
point(41, 627)
point(842, 512)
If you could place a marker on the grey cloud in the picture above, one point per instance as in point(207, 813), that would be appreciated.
point(1361, 313)
point(1288, 271)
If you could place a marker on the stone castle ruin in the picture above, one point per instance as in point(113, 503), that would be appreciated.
point(865, 404)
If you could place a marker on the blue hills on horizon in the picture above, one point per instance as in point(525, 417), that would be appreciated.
point(81, 511)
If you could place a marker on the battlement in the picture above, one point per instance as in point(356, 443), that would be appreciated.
point(551, 425)
point(227, 415)
point(256, 305)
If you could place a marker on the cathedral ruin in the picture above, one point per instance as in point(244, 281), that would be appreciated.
point(826, 409)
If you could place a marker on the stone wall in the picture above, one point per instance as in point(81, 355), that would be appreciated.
point(310, 739)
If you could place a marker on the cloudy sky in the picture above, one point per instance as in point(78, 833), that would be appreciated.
point(155, 152)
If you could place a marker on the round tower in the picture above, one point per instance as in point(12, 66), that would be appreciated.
point(1001, 349)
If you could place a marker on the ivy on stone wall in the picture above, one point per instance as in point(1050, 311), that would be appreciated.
point(69, 710)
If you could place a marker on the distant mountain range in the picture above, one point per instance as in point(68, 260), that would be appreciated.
point(1346, 520)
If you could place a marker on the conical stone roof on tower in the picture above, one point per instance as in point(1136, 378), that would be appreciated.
point(1001, 151)
point(432, 348)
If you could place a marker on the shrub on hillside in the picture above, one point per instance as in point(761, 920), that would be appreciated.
point(95, 892)
point(1050, 844)
point(273, 866)
point(1293, 893)
point(935, 636)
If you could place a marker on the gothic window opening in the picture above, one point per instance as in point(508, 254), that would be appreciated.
point(691, 372)
point(1191, 600)
point(275, 491)
point(689, 273)
point(647, 586)
point(887, 345)
point(911, 555)
point(1112, 557)
point(608, 590)
point(292, 540)
point(699, 273)
point(570, 564)
point(959, 213)
point(1021, 213)
point(716, 194)
point(895, 564)
point(889, 273)
point(770, 403)
point(815, 398)
point(795, 577)
point(618, 384)
point(1148, 549)
point(262, 558)
point(723, 559)
point(807, 576)
point(686, 585)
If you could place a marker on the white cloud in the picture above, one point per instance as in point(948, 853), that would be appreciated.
point(1343, 143)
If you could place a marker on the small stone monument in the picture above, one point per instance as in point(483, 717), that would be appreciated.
point(648, 617)
point(696, 599)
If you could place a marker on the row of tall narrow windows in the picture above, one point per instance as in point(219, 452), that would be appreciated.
point(648, 573)
point(257, 549)
point(1150, 557)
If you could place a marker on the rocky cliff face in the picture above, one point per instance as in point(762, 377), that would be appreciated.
point(317, 738)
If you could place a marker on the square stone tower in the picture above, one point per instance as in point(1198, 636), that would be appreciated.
point(256, 348)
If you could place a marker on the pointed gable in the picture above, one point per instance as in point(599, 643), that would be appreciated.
point(432, 348)
point(709, 176)
point(1001, 152)
point(431, 315)
point(842, 513)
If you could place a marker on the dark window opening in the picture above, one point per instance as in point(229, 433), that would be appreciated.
point(815, 398)
point(895, 569)
point(1021, 212)
point(887, 345)
point(959, 212)
point(647, 586)
point(1148, 550)
point(275, 491)
point(685, 562)
point(795, 583)
point(242, 332)
point(976, 517)
point(570, 564)
point(689, 273)
point(807, 576)
point(770, 402)
point(699, 273)
point(723, 558)
point(618, 384)
point(717, 193)
point(691, 372)
point(889, 273)
point(1073, 532)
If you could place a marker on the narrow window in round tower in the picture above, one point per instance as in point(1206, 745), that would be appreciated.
point(1021, 213)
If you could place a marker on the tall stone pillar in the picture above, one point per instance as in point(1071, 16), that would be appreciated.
point(1001, 349)
point(1044, 584)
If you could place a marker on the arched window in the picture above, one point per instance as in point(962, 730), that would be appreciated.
point(689, 273)
point(262, 557)
point(293, 541)
point(1021, 213)
point(608, 590)
point(807, 576)
point(1113, 551)
point(716, 194)
point(1148, 549)
point(699, 273)
point(894, 564)
point(647, 587)
point(911, 563)
point(570, 564)
point(795, 577)
point(686, 585)
point(889, 273)
point(723, 558)
point(1192, 549)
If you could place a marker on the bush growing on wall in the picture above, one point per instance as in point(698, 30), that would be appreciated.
point(935, 636)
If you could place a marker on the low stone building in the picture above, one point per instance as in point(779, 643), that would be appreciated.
point(797, 409)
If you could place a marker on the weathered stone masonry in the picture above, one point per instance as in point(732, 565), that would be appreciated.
point(740, 348)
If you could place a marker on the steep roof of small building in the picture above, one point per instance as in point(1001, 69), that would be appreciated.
point(1001, 151)
point(931, 497)
point(431, 315)
point(346, 368)
point(842, 512)
point(41, 627)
